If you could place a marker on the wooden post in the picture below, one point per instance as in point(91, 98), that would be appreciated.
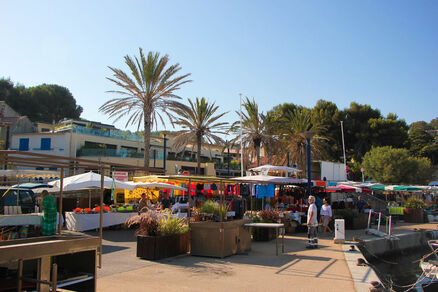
point(54, 276)
point(20, 275)
point(250, 195)
point(221, 194)
point(189, 198)
point(101, 214)
point(61, 187)
point(44, 273)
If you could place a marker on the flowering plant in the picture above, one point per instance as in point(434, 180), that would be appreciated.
point(77, 210)
point(269, 215)
point(155, 223)
point(87, 210)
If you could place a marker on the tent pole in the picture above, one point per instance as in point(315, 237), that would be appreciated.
point(60, 201)
point(222, 195)
point(250, 196)
point(101, 215)
point(89, 198)
point(189, 198)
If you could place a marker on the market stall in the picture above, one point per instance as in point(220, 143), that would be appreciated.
point(47, 262)
point(85, 222)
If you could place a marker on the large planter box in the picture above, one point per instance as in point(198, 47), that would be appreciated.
point(360, 222)
point(413, 215)
point(159, 247)
point(219, 239)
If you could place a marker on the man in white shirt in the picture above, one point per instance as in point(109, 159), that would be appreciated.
point(312, 224)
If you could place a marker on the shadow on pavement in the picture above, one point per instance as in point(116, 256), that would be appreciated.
point(112, 248)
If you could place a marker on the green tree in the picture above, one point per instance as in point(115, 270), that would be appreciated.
point(422, 142)
point(42, 103)
point(389, 131)
point(147, 94)
point(392, 165)
point(326, 118)
point(199, 123)
point(358, 135)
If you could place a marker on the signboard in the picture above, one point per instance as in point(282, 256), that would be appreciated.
point(120, 175)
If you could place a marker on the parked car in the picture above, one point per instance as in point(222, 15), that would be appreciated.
point(17, 197)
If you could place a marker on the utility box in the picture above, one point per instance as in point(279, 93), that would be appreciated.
point(339, 231)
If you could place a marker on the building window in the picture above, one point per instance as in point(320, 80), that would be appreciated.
point(24, 144)
point(45, 143)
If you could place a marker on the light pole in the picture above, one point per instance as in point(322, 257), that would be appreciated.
point(308, 135)
point(241, 141)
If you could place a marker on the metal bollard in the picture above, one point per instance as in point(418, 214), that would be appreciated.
point(378, 223)
point(390, 221)
point(369, 219)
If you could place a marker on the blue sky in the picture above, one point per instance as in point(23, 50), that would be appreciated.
point(381, 53)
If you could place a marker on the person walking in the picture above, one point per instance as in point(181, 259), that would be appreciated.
point(326, 215)
point(312, 224)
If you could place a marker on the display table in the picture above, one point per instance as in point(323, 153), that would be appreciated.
point(21, 219)
point(277, 226)
point(24, 219)
point(84, 222)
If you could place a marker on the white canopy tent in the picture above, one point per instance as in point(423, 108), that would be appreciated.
point(155, 185)
point(265, 169)
point(89, 180)
point(269, 179)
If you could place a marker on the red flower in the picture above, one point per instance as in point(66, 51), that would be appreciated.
point(77, 210)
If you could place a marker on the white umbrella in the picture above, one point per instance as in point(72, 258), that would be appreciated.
point(89, 180)
point(147, 185)
point(269, 179)
point(268, 167)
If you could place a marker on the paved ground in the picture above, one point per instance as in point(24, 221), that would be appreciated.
point(329, 268)
point(298, 268)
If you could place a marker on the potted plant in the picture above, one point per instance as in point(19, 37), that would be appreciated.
point(160, 235)
point(265, 216)
point(413, 210)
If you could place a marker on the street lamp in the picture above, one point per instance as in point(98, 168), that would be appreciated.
point(308, 135)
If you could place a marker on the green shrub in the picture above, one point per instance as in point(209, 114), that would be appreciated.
point(211, 207)
point(169, 225)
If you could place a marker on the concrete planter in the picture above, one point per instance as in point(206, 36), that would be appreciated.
point(413, 215)
point(360, 222)
point(219, 239)
point(159, 247)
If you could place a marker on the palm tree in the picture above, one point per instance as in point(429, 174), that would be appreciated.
point(145, 95)
point(199, 123)
point(293, 124)
point(256, 130)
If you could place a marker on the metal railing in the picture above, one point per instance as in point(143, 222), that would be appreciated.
point(388, 226)
point(123, 153)
point(107, 133)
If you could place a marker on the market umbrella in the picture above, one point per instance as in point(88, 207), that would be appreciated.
point(269, 179)
point(89, 180)
point(407, 188)
point(344, 189)
point(151, 185)
point(434, 183)
point(267, 167)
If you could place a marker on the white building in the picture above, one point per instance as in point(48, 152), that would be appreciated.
point(91, 140)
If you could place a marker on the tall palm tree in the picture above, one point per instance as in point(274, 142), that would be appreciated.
point(199, 123)
point(256, 130)
point(147, 94)
point(293, 124)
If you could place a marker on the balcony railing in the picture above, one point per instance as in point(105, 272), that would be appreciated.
point(107, 133)
point(123, 153)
